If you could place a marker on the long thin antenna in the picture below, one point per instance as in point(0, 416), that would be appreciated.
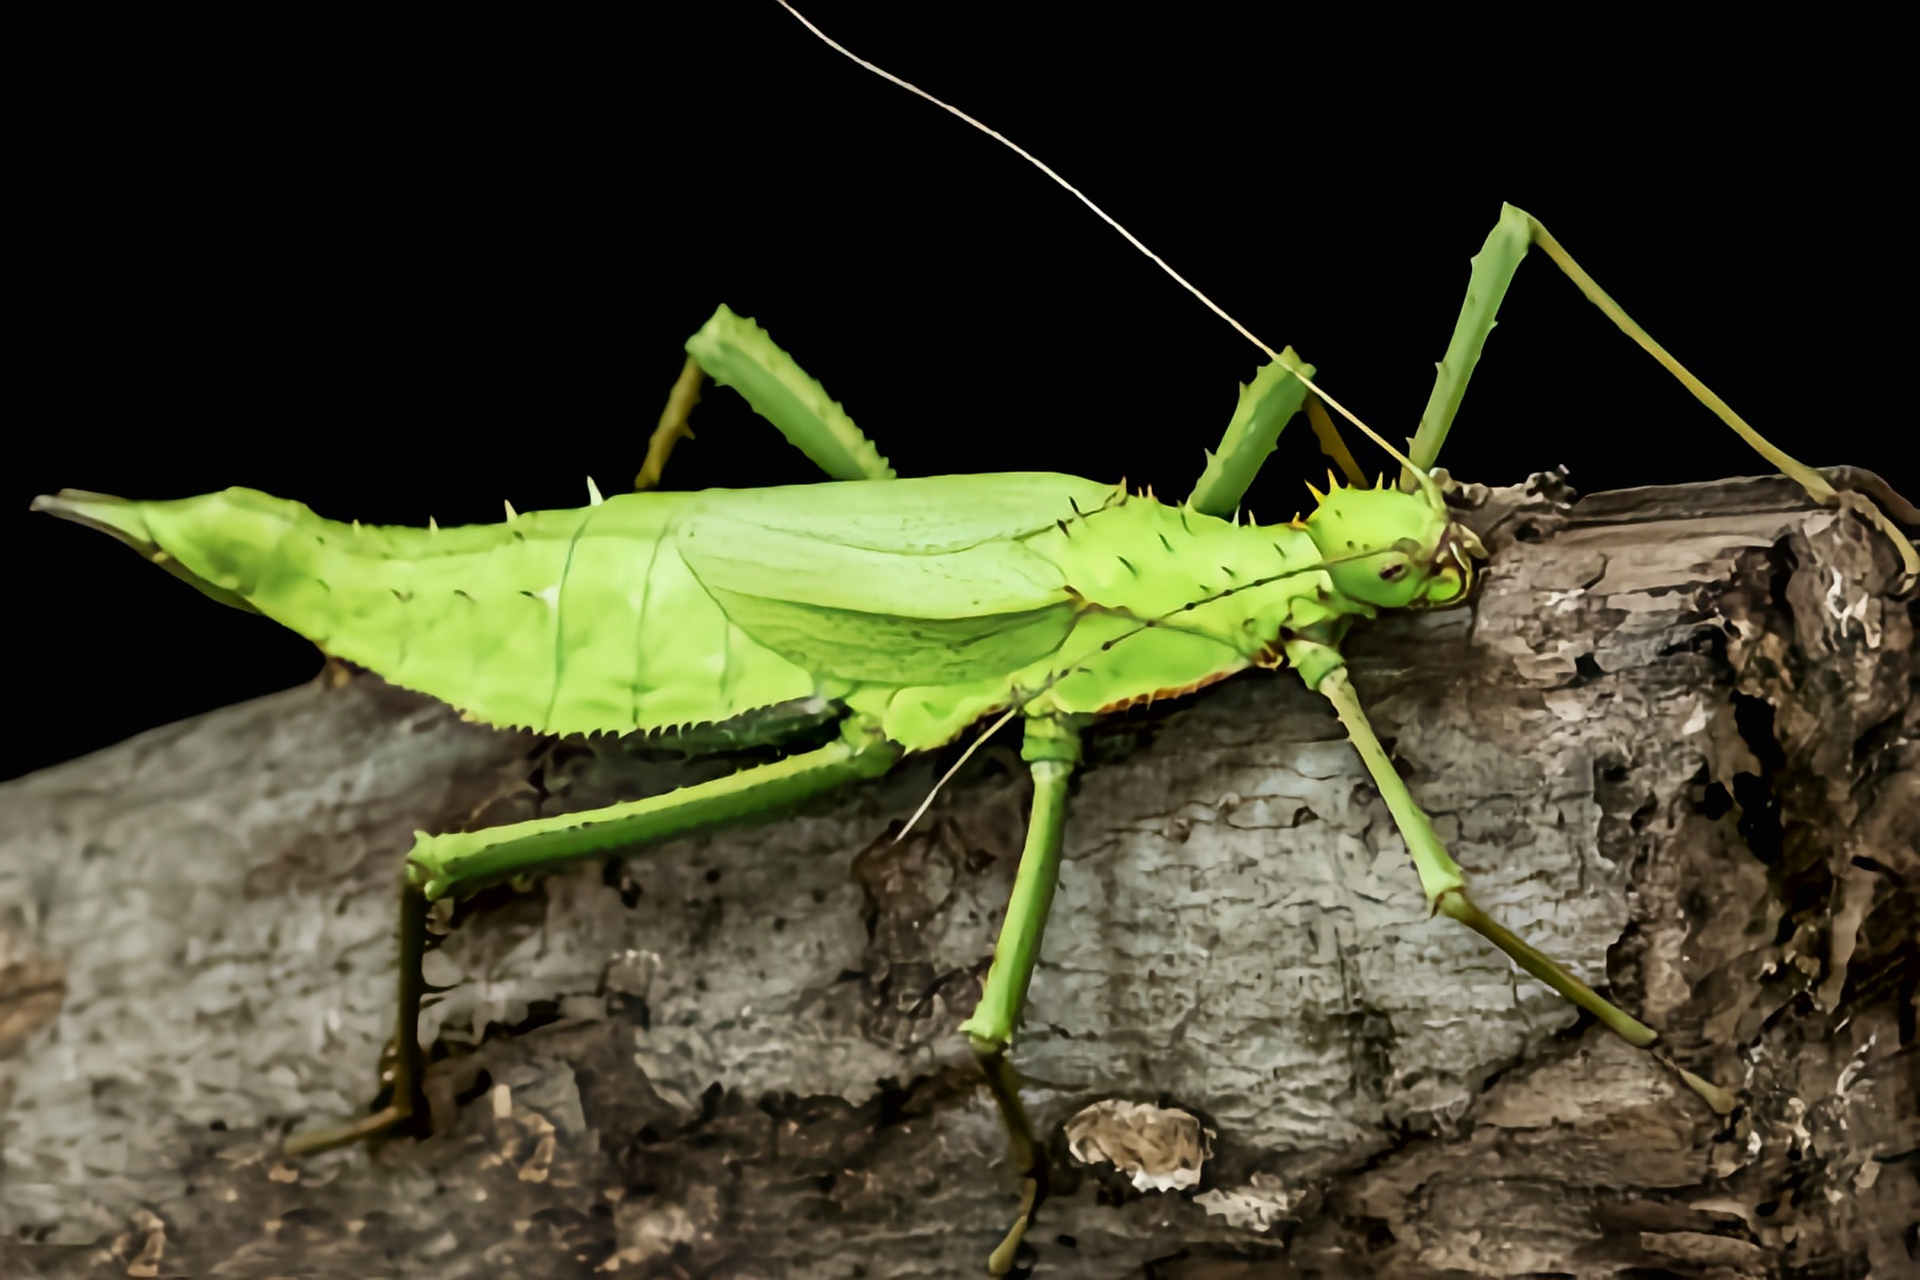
point(1108, 218)
point(1039, 164)
point(947, 777)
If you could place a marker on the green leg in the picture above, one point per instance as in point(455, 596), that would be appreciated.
point(402, 1071)
point(1331, 444)
point(1446, 885)
point(1052, 748)
point(1264, 410)
point(1493, 269)
point(1266, 405)
point(675, 423)
point(463, 862)
point(737, 353)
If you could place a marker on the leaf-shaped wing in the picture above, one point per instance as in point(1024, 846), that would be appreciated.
point(904, 582)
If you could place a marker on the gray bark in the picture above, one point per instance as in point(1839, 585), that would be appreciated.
point(1674, 744)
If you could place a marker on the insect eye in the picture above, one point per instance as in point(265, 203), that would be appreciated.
point(1393, 572)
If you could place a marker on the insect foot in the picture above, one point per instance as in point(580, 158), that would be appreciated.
point(401, 1063)
point(1456, 905)
point(1027, 1155)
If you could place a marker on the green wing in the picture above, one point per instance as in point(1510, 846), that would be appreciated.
point(904, 582)
point(574, 621)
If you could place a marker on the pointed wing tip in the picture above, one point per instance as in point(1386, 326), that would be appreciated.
point(70, 502)
point(117, 516)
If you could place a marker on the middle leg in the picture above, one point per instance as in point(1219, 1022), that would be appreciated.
point(1051, 749)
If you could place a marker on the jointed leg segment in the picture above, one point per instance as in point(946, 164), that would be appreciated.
point(737, 353)
point(462, 862)
point(674, 423)
point(1330, 442)
point(1266, 405)
point(1051, 748)
point(403, 1076)
point(1493, 268)
point(1446, 885)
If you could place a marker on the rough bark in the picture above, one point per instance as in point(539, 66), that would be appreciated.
point(1674, 744)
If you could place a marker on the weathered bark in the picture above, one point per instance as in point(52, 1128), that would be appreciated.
point(1674, 744)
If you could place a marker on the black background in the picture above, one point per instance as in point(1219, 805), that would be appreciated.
point(407, 273)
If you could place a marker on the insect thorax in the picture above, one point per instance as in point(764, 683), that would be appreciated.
point(1169, 601)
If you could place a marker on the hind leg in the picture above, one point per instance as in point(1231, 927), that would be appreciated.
point(736, 352)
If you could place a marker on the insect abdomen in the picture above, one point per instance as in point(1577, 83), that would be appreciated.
point(562, 621)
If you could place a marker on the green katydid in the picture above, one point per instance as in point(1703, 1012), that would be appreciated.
point(912, 609)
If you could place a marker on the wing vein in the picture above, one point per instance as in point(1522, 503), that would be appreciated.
point(558, 671)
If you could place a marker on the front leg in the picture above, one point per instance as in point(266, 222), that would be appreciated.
point(1266, 405)
point(1446, 884)
point(1051, 748)
point(1493, 268)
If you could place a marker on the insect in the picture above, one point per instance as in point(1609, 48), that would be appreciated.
point(911, 609)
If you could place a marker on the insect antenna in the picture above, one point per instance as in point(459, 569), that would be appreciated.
point(1426, 482)
point(965, 756)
